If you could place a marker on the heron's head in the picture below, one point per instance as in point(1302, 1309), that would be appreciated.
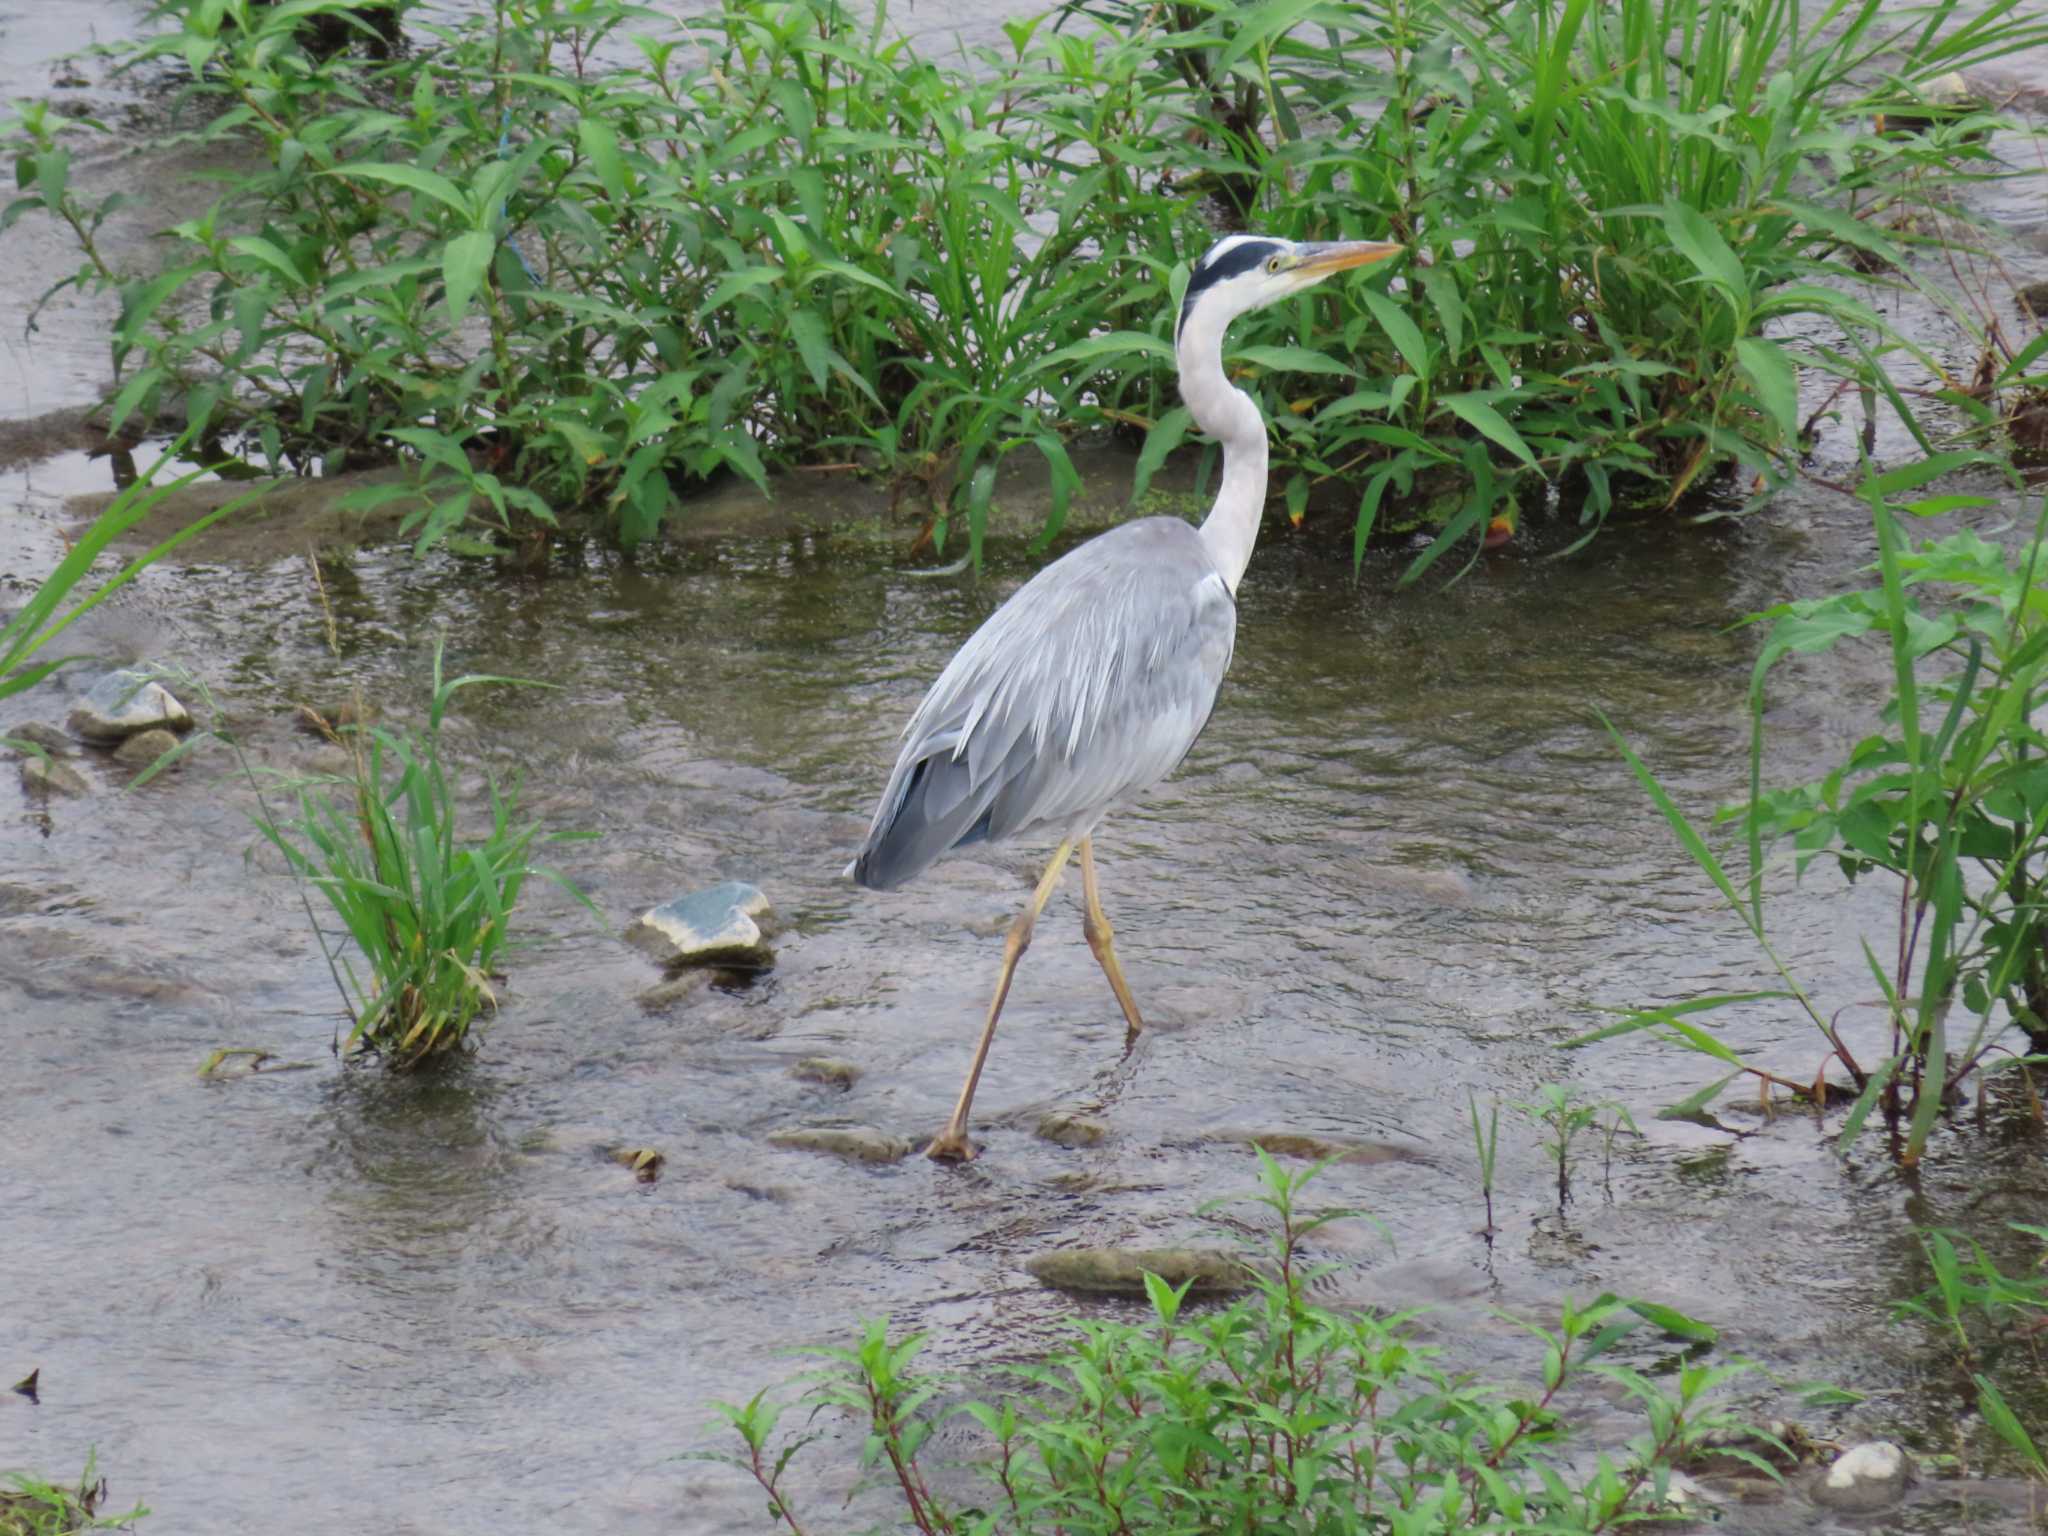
point(1240, 273)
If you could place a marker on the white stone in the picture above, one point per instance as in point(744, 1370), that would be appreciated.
point(123, 703)
point(1865, 1477)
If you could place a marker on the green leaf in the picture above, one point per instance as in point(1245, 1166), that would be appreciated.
point(1776, 383)
point(463, 265)
point(1701, 244)
point(1292, 360)
point(267, 252)
point(812, 345)
point(1109, 344)
point(1166, 435)
point(1482, 417)
point(1400, 330)
point(601, 147)
point(1674, 1322)
point(413, 179)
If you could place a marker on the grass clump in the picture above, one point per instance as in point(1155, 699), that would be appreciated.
point(427, 909)
point(31, 1507)
point(579, 257)
point(1271, 1415)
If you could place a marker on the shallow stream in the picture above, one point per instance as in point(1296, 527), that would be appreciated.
point(1401, 868)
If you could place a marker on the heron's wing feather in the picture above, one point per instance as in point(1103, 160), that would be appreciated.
point(1088, 685)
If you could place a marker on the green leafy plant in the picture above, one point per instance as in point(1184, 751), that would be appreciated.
point(1948, 798)
point(428, 910)
point(1486, 1143)
point(565, 256)
point(1270, 1415)
point(52, 607)
point(31, 1507)
point(1563, 1116)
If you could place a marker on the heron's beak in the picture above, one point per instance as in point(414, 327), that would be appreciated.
point(1314, 262)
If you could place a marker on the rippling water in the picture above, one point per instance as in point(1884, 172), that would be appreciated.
point(1403, 865)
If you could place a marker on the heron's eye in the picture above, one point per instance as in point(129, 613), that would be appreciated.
point(1272, 263)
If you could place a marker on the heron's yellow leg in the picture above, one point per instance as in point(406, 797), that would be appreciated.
point(1095, 923)
point(951, 1145)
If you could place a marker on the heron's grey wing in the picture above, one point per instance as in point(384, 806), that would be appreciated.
point(1090, 684)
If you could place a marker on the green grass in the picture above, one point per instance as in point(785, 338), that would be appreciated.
point(427, 908)
point(71, 589)
point(777, 235)
point(1946, 801)
point(31, 1507)
point(1271, 1415)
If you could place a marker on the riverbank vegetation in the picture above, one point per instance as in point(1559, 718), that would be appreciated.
point(572, 260)
point(1272, 1414)
point(426, 910)
point(1946, 801)
point(30, 1506)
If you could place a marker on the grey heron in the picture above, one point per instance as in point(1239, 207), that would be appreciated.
point(1092, 681)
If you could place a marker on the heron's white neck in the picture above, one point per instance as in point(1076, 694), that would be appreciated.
point(1230, 416)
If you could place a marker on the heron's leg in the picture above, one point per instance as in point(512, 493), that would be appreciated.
point(951, 1145)
point(1095, 923)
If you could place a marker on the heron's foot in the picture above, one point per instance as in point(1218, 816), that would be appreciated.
point(951, 1146)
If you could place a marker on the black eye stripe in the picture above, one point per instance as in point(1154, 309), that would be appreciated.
point(1210, 270)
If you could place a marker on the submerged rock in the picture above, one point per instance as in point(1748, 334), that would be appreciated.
point(728, 922)
point(1865, 1477)
point(1319, 1148)
point(664, 995)
point(2033, 300)
point(829, 1070)
point(145, 748)
point(35, 734)
point(124, 703)
point(1122, 1271)
point(47, 776)
point(1064, 1129)
point(860, 1143)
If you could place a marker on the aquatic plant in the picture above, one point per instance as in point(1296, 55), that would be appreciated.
point(31, 1507)
point(1271, 1415)
point(1989, 1316)
point(1562, 1116)
point(564, 255)
point(1948, 798)
point(51, 608)
point(428, 910)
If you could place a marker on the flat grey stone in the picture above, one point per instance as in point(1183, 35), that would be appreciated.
point(859, 1143)
point(47, 776)
point(123, 703)
point(145, 747)
point(1122, 1271)
point(1864, 1478)
point(1319, 1148)
point(733, 921)
point(1065, 1129)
